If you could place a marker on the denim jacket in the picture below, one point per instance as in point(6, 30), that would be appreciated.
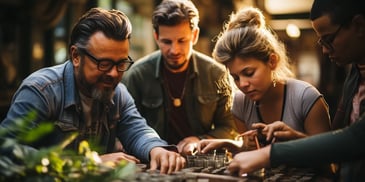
point(207, 99)
point(53, 94)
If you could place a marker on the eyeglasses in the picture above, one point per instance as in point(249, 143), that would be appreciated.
point(106, 65)
point(326, 41)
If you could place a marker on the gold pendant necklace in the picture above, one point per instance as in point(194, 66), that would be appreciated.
point(176, 102)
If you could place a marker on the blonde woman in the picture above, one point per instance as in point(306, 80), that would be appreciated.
point(269, 99)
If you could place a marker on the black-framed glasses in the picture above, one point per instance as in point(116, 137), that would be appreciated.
point(326, 41)
point(106, 65)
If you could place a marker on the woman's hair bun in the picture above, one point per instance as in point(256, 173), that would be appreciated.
point(246, 17)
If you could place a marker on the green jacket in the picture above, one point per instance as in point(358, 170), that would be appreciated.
point(207, 99)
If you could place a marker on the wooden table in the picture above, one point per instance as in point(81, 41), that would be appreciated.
point(280, 173)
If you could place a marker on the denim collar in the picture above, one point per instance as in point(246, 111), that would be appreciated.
point(71, 96)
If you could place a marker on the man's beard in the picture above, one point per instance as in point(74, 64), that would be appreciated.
point(101, 95)
point(175, 67)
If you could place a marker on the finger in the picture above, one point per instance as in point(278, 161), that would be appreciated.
point(270, 132)
point(205, 149)
point(164, 164)
point(178, 162)
point(246, 141)
point(182, 162)
point(186, 150)
point(192, 147)
point(131, 158)
point(171, 166)
point(200, 145)
point(258, 125)
point(232, 167)
point(257, 143)
point(181, 147)
point(282, 134)
point(153, 164)
point(249, 132)
point(273, 139)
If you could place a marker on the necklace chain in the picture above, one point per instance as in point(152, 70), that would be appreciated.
point(176, 101)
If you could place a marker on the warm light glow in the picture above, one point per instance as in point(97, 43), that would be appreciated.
point(37, 51)
point(292, 30)
point(287, 6)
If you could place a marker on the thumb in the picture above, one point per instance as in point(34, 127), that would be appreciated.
point(282, 134)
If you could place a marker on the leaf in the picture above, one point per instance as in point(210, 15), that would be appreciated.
point(36, 133)
point(9, 168)
point(20, 162)
point(125, 170)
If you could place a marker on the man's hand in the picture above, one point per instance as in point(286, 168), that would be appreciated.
point(166, 161)
point(117, 157)
point(188, 145)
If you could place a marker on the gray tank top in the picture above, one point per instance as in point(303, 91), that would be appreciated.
point(299, 99)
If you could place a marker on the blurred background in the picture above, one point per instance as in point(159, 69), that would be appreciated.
point(35, 34)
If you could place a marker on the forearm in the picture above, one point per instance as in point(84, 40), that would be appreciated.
point(336, 146)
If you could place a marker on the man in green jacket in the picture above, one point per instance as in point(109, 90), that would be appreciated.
point(184, 95)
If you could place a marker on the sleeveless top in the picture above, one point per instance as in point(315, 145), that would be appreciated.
point(299, 99)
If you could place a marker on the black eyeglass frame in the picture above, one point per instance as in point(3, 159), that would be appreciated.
point(328, 40)
point(122, 65)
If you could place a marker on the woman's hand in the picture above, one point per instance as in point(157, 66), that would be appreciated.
point(207, 145)
point(249, 140)
point(278, 130)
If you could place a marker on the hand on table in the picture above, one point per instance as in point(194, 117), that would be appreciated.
point(117, 157)
point(166, 161)
point(188, 145)
point(246, 162)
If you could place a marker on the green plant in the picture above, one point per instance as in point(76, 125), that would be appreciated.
point(19, 162)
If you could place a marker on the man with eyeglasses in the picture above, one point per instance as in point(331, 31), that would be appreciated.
point(340, 25)
point(84, 95)
point(326, 40)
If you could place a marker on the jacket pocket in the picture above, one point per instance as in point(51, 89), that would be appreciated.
point(208, 105)
point(207, 99)
point(152, 111)
point(66, 126)
point(152, 103)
